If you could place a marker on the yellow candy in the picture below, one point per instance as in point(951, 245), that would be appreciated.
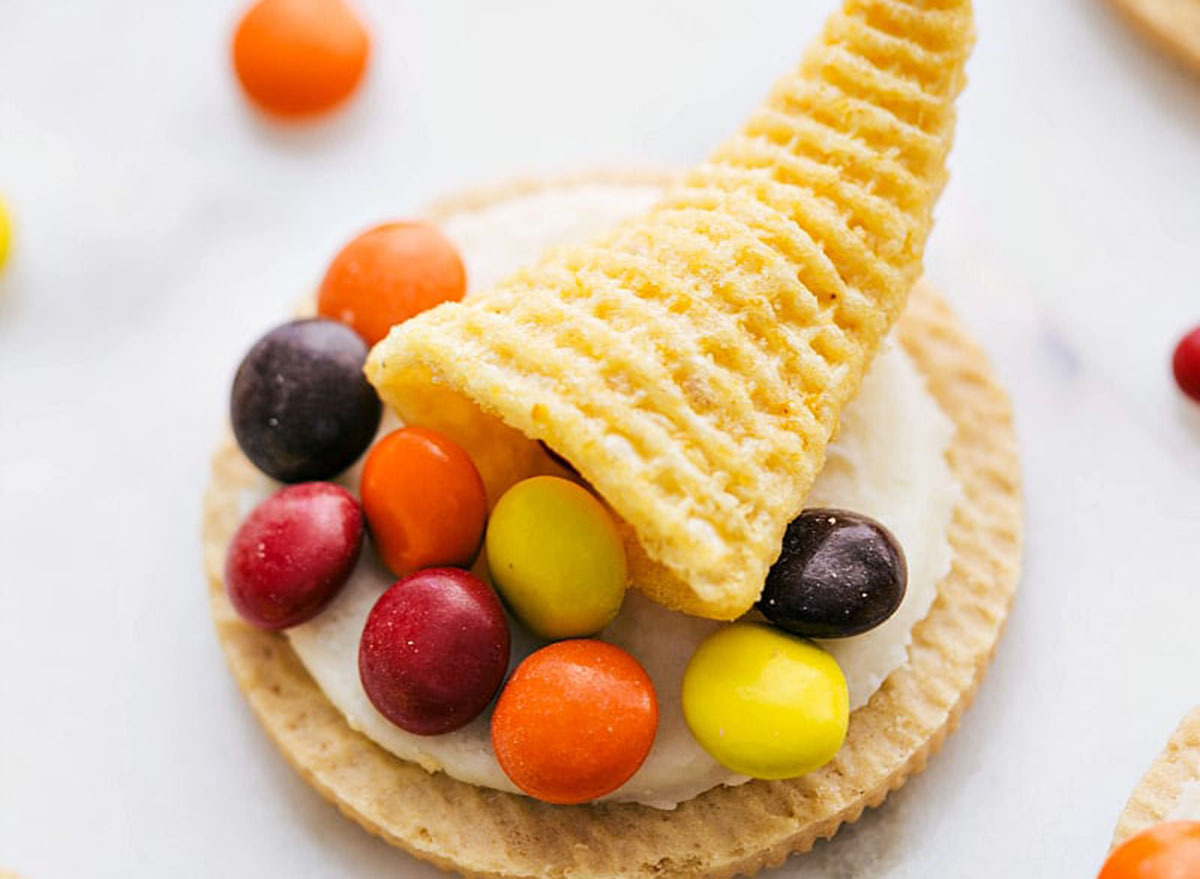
point(557, 558)
point(765, 703)
point(5, 234)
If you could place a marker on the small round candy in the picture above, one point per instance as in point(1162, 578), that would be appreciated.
point(839, 574)
point(1162, 851)
point(557, 558)
point(1186, 364)
point(301, 407)
point(300, 57)
point(434, 651)
point(293, 553)
point(425, 501)
point(765, 703)
point(5, 235)
point(388, 274)
point(575, 721)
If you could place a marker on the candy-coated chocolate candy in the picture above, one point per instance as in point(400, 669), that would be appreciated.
point(1162, 851)
point(557, 558)
point(839, 574)
point(293, 553)
point(434, 650)
point(300, 57)
point(5, 235)
point(1186, 364)
point(388, 274)
point(575, 721)
point(425, 501)
point(301, 407)
point(765, 703)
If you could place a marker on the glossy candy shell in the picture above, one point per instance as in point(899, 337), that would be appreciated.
point(434, 651)
point(765, 703)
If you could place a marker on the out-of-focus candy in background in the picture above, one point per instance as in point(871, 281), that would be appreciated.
point(5, 234)
point(1186, 364)
point(299, 58)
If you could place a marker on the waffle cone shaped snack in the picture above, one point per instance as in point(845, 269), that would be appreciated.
point(693, 363)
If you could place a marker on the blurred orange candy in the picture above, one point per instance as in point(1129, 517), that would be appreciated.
point(388, 274)
point(1161, 851)
point(300, 57)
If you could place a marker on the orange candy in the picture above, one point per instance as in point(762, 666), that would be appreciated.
point(424, 501)
point(300, 57)
point(575, 721)
point(388, 274)
point(1162, 851)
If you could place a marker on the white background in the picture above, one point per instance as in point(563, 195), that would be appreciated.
point(162, 227)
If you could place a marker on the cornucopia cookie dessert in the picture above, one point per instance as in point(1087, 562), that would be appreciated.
point(728, 391)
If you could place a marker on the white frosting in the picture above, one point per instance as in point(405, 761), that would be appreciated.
point(887, 462)
point(1187, 807)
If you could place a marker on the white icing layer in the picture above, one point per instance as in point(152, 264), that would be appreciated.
point(888, 462)
point(1187, 807)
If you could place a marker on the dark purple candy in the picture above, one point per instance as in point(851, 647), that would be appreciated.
point(839, 574)
point(301, 408)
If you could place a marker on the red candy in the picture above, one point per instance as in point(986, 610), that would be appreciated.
point(434, 651)
point(293, 553)
point(1186, 364)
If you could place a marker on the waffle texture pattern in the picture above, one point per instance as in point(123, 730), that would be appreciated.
point(693, 363)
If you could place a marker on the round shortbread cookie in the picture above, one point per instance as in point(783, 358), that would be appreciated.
point(481, 832)
point(1158, 791)
point(1172, 24)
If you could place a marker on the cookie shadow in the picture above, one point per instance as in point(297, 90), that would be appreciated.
point(871, 846)
point(1187, 413)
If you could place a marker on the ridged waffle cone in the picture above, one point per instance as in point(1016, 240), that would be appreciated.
point(692, 365)
point(1158, 791)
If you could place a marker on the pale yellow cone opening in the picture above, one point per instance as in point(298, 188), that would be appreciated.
point(693, 363)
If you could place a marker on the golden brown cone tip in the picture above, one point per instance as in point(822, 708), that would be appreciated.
point(693, 363)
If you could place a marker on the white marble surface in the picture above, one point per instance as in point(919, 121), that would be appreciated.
point(162, 227)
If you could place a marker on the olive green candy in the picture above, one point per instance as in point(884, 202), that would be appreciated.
point(556, 558)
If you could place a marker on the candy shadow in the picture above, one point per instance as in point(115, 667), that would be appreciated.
point(314, 134)
point(10, 278)
point(1188, 414)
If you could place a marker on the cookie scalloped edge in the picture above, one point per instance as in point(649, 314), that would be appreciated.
point(1156, 794)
